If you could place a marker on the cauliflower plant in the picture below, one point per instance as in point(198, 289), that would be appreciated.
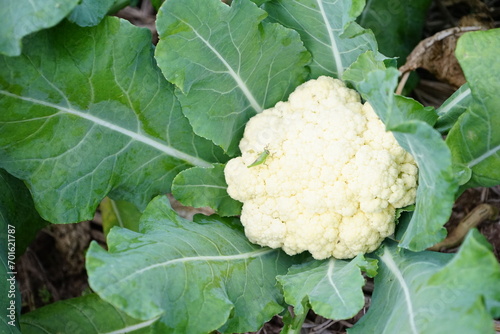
point(320, 173)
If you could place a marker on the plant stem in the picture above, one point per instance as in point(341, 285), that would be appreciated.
point(293, 322)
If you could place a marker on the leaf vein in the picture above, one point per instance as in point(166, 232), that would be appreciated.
point(239, 81)
point(215, 258)
point(145, 139)
point(392, 266)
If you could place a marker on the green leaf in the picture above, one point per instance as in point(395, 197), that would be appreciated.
point(90, 12)
point(430, 292)
point(475, 140)
point(227, 64)
point(21, 17)
point(437, 184)
point(474, 269)
point(157, 4)
point(119, 213)
point(397, 25)
point(88, 314)
point(328, 31)
point(413, 110)
point(200, 187)
point(293, 322)
point(87, 113)
point(392, 109)
point(411, 124)
point(197, 276)
point(332, 287)
point(17, 209)
point(453, 108)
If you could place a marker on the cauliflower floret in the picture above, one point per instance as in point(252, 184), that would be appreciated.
point(332, 179)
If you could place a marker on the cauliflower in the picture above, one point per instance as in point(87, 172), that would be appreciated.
point(320, 173)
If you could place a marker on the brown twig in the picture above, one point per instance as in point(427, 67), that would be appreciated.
point(402, 82)
point(478, 215)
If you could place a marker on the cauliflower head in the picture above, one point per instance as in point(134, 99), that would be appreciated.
point(332, 177)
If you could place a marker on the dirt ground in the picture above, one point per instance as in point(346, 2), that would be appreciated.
point(53, 269)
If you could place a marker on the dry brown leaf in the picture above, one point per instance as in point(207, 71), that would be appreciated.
point(436, 54)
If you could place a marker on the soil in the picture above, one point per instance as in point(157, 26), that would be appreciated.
point(53, 267)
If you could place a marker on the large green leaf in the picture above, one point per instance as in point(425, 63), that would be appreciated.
point(20, 18)
point(475, 140)
point(197, 276)
point(200, 187)
point(90, 12)
point(333, 288)
point(328, 31)
point(411, 124)
point(227, 64)
point(453, 108)
point(430, 292)
point(397, 24)
point(18, 210)
point(88, 314)
point(86, 112)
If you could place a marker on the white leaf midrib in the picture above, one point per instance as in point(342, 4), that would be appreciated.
point(393, 268)
point(127, 329)
point(459, 98)
point(329, 274)
point(204, 258)
point(139, 137)
point(201, 186)
point(236, 76)
point(117, 213)
point(333, 43)
point(135, 327)
point(484, 156)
